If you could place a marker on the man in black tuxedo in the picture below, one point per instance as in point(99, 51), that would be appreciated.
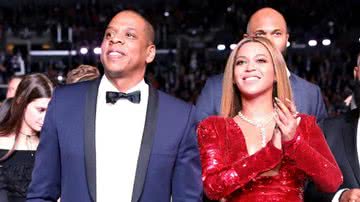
point(343, 137)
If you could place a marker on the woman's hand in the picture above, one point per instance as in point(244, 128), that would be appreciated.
point(286, 118)
point(276, 138)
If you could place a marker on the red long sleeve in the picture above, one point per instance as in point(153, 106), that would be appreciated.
point(221, 175)
point(311, 154)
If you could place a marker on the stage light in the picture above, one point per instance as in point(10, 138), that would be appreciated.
point(326, 42)
point(97, 50)
point(232, 46)
point(60, 78)
point(166, 14)
point(84, 51)
point(312, 42)
point(221, 47)
point(52, 53)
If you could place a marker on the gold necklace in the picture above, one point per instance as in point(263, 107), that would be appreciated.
point(259, 125)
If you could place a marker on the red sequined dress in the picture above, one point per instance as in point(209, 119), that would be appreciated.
point(230, 174)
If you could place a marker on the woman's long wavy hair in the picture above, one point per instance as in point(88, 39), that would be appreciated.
point(231, 96)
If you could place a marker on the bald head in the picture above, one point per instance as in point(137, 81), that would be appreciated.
point(269, 23)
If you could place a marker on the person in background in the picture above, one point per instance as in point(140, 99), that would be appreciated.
point(82, 73)
point(349, 101)
point(261, 148)
point(12, 86)
point(4, 108)
point(20, 127)
point(269, 23)
point(343, 137)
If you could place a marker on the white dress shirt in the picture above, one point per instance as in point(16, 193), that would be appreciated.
point(338, 193)
point(119, 129)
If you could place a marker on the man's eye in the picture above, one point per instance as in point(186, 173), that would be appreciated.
point(130, 35)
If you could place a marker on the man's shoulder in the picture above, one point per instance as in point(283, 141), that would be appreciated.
point(347, 117)
point(302, 82)
point(79, 88)
point(172, 100)
point(218, 78)
point(301, 85)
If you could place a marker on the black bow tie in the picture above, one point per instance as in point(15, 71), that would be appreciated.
point(112, 97)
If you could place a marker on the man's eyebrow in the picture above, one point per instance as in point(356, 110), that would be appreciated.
point(277, 30)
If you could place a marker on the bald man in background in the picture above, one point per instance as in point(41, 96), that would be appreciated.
point(268, 23)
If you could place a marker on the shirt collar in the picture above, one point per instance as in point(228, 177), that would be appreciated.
point(108, 86)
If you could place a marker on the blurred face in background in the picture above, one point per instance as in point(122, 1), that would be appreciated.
point(270, 24)
point(12, 86)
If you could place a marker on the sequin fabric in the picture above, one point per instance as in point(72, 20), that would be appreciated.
point(229, 174)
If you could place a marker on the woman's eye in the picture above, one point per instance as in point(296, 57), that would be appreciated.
point(240, 62)
point(108, 35)
point(261, 61)
point(41, 109)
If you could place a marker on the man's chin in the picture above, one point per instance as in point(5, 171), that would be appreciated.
point(112, 74)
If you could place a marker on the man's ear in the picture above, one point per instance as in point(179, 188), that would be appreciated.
point(150, 53)
point(287, 37)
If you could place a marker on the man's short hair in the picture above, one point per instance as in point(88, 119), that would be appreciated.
point(82, 73)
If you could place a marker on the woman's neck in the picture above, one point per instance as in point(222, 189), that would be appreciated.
point(258, 107)
point(25, 130)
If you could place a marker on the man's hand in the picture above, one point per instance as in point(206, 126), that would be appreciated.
point(351, 195)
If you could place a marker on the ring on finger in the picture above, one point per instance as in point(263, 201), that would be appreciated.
point(295, 114)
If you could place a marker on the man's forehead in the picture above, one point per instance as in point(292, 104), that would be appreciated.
point(128, 21)
point(267, 29)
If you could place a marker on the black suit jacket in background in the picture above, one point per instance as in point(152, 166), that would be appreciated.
point(340, 133)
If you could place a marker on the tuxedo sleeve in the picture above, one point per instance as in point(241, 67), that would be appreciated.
point(221, 177)
point(206, 102)
point(310, 152)
point(321, 112)
point(45, 184)
point(186, 183)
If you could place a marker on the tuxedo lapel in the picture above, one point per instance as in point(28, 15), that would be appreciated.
point(89, 136)
point(146, 143)
point(349, 134)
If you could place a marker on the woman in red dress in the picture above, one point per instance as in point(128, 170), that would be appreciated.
point(261, 148)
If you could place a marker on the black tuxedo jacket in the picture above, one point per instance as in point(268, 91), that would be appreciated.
point(340, 133)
